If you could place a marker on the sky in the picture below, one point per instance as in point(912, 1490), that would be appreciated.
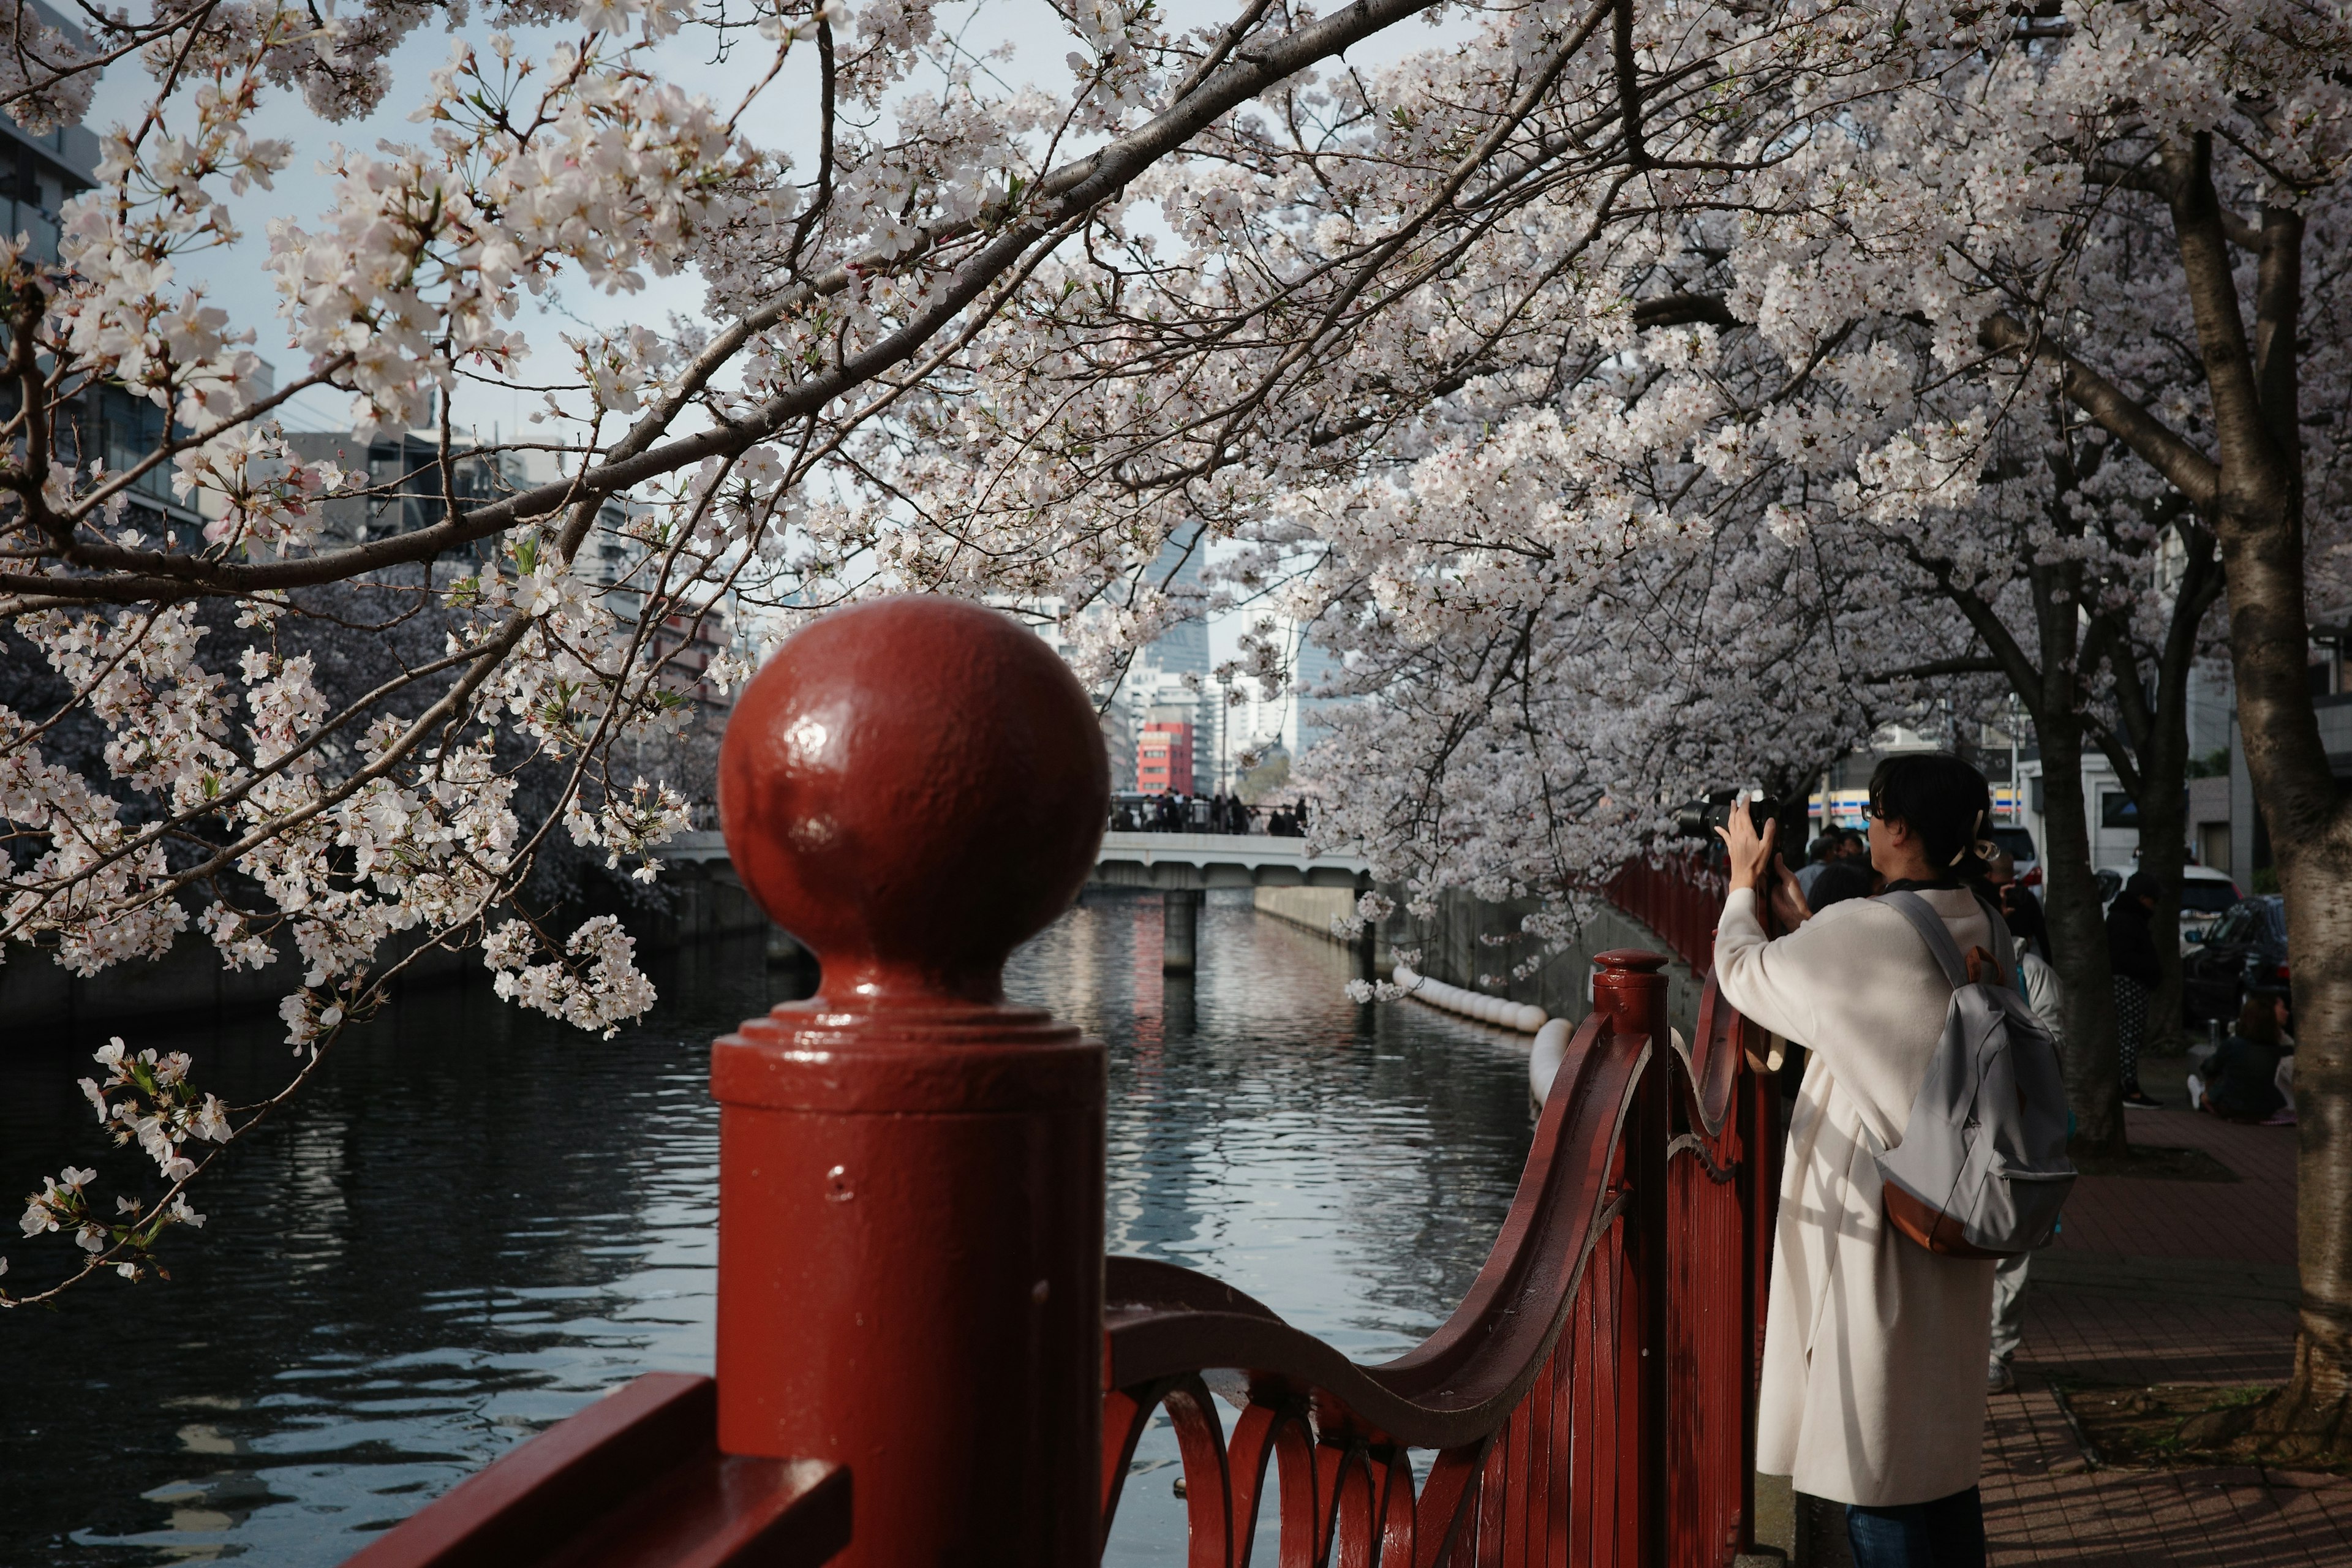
point(238, 277)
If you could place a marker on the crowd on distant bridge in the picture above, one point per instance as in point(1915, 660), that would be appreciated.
point(1175, 812)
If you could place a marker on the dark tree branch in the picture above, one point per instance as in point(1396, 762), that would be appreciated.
point(2190, 472)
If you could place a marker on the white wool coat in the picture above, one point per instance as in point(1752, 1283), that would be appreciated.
point(1875, 1347)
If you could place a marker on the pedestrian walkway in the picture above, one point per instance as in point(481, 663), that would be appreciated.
point(2161, 1282)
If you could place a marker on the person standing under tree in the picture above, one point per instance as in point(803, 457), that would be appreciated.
point(1875, 1348)
point(2047, 996)
point(2132, 956)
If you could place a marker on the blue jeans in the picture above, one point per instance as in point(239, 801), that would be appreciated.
point(1945, 1534)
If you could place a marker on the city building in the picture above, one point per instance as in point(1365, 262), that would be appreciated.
point(41, 172)
point(1118, 742)
point(406, 489)
point(687, 638)
point(38, 174)
point(1163, 755)
point(1293, 719)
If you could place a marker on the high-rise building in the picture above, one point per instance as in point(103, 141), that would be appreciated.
point(1118, 743)
point(1182, 649)
point(39, 173)
point(1169, 679)
point(1293, 718)
point(104, 422)
point(406, 489)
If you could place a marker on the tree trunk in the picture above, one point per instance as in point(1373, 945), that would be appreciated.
point(2312, 1414)
point(2260, 496)
point(2048, 682)
point(2154, 715)
point(2078, 942)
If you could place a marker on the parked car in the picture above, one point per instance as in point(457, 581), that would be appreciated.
point(2206, 895)
point(2244, 950)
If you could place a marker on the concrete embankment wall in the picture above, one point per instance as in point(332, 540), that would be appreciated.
point(36, 992)
point(1309, 909)
point(1455, 948)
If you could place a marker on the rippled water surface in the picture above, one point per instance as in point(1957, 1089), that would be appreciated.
point(478, 1221)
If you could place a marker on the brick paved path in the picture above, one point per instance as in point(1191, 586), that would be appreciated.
point(2161, 1282)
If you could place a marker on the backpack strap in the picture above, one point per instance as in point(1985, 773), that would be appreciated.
point(2005, 947)
point(1932, 931)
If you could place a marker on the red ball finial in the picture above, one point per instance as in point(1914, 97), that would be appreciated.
point(913, 787)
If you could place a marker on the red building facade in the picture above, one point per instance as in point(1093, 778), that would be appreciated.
point(1163, 759)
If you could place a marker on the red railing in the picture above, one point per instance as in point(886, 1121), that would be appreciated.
point(1591, 1401)
point(1678, 896)
point(921, 1347)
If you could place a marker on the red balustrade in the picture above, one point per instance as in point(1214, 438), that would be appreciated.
point(1678, 896)
point(920, 1344)
point(1591, 1401)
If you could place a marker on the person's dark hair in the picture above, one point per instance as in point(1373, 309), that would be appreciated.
point(2258, 1019)
point(2022, 910)
point(1825, 847)
point(2142, 885)
point(1839, 880)
point(1943, 800)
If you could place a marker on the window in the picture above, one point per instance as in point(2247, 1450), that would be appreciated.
point(2118, 809)
point(2203, 898)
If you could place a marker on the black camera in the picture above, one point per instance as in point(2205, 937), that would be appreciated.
point(1700, 818)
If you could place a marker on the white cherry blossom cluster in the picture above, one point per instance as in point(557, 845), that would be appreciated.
point(147, 1099)
point(601, 982)
point(1638, 474)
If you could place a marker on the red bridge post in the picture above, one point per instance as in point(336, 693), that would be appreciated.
point(1630, 989)
point(911, 1171)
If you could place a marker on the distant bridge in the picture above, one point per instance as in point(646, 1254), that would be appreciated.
point(1169, 861)
point(1183, 865)
point(1194, 860)
point(1179, 865)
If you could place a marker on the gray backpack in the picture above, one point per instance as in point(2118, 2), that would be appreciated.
point(1982, 1169)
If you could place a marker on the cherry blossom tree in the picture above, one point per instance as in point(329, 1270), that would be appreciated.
point(1549, 432)
point(338, 838)
point(2085, 195)
point(1635, 396)
point(955, 253)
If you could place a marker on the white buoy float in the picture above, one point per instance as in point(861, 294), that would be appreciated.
point(1523, 1017)
point(1544, 1058)
point(1549, 1050)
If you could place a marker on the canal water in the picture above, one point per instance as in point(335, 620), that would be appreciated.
point(478, 1221)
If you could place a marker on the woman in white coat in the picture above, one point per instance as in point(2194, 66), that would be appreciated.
point(1873, 1391)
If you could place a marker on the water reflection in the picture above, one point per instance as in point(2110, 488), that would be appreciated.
point(477, 1222)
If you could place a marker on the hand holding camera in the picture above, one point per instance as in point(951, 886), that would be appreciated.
point(1750, 849)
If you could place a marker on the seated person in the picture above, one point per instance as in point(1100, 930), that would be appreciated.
point(2241, 1080)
